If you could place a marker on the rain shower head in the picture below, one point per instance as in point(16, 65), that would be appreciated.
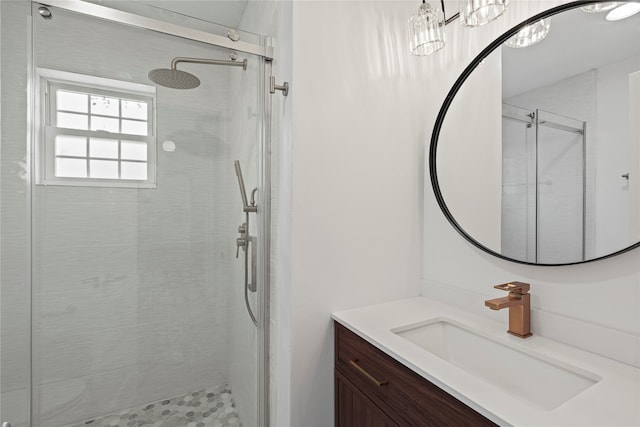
point(174, 79)
point(177, 79)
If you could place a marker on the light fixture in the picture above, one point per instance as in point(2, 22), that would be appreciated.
point(427, 27)
point(530, 35)
point(600, 7)
point(474, 13)
point(426, 30)
point(625, 10)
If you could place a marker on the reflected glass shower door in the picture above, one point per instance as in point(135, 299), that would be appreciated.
point(518, 225)
point(138, 303)
point(561, 188)
point(543, 189)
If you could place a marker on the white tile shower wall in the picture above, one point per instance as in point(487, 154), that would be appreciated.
point(131, 286)
point(580, 304)
point(14, 225)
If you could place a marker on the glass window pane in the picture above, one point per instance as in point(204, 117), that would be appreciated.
point(72, 101)
point(66, 145)
point(133, 150)
point(107, 169)
point(72, 121)
point(134, 128)
point(104, 123)
point(132, 170)
point(105, 148)
point(134, 110)
point(105, 106)
point(71, 168)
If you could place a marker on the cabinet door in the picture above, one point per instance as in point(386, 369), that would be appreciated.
point(354, 409)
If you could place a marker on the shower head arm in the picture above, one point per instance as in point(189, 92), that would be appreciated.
point(177, 60)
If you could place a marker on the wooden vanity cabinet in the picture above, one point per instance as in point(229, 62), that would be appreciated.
point(374, 390)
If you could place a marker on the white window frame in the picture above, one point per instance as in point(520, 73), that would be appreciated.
point(46, 130)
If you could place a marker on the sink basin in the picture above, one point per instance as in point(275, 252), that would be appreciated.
point(538, 379)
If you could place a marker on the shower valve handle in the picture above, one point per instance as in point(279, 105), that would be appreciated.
point(240, 242)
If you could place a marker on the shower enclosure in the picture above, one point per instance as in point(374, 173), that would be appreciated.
point(543, 186)
point(125, 209)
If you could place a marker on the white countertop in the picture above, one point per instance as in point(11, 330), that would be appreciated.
point(612, 401)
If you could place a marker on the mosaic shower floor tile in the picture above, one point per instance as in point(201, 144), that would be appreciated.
point(212, 407)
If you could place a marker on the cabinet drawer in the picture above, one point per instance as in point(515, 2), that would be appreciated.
point(405, 396)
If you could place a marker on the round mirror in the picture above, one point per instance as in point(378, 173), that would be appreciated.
point(535, 154)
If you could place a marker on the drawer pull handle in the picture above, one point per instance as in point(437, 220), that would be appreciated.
point(354, 363)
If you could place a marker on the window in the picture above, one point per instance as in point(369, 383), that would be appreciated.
point(95, 131)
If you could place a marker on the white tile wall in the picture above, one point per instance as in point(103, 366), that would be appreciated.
point(14, 226)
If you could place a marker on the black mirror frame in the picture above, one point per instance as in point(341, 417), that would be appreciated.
point(433, 148)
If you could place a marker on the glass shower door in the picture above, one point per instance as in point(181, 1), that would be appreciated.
point(561, 188)
point(543, 186)
point(138, 304)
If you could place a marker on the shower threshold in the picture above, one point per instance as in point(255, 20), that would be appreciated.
point(211, 407)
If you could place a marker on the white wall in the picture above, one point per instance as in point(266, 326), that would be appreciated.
point(634, 167)
point(580, 304)
point(359, 134)
point(614, 154)
point(363, 111)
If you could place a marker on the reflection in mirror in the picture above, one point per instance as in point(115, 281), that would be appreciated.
point(545, 170)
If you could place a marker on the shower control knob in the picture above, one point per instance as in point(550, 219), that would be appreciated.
point(243, 228)
point(240, 242)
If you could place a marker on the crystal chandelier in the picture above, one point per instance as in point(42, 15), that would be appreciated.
point(427, 27)
point(530, 35)
point(426, 31)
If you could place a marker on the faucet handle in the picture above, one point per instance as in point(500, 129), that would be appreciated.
point(519, 288)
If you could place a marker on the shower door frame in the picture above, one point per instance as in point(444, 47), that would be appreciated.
point(265, 52)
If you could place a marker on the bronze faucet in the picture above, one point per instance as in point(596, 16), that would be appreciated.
point(519, 303)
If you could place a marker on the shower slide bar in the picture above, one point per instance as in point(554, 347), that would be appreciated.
point(109, 14)
point(245, 240)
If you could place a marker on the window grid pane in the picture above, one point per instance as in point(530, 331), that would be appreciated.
point(105, 106)
point(72, 121)
point(71, 168)
point(71, 101)
point(75, 146)
point(83, 153)
point(135, 110)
